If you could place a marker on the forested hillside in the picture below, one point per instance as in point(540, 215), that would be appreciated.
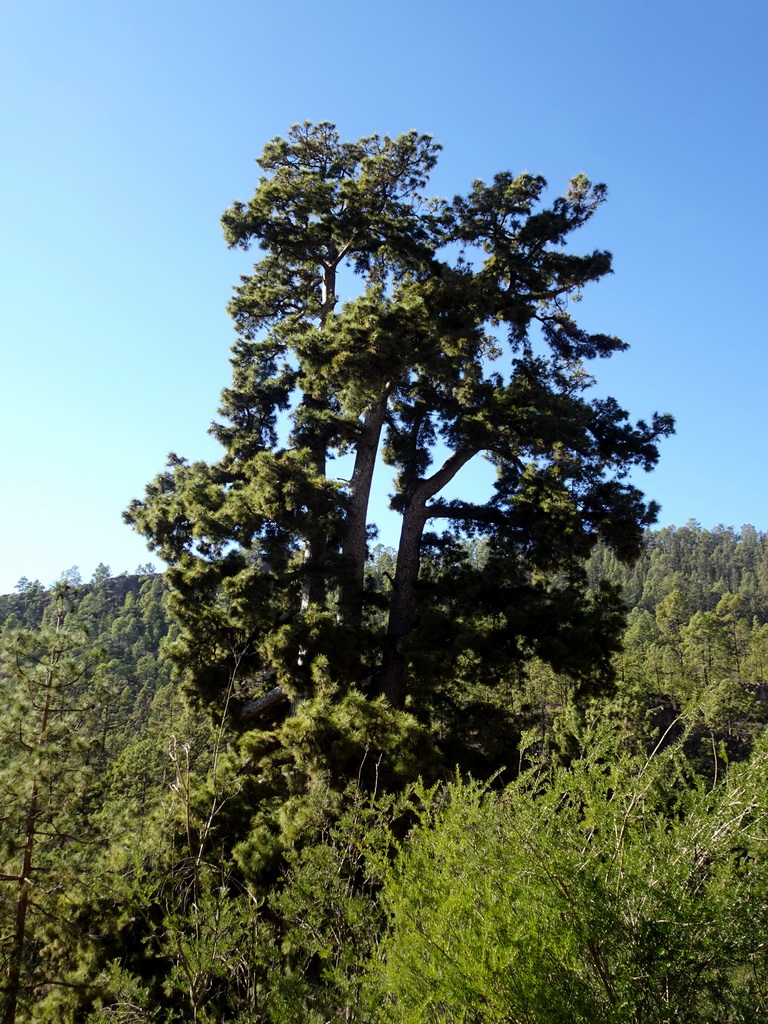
point(145, 897)
point(702, 564)
point(697, 635)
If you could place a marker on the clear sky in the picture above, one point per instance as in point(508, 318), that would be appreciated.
point(127, 128)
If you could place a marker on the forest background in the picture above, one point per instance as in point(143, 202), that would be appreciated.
point(632, 887)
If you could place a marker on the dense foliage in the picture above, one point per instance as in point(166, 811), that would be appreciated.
point(619, 876)
point(619, 889)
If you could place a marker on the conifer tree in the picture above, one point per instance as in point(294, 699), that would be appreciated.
point(45, 748)
point(459, 344)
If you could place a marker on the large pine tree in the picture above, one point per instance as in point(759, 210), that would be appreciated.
point(459, 343)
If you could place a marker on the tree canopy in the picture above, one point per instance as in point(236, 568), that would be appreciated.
point(387, 326)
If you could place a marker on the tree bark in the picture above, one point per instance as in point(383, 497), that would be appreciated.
point(313, 589)
point(393, 677)
point(354, 533)
point(257, 709)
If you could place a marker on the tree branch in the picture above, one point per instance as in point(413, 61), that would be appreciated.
point(259, 708)
point(466, 510)
point(432, 484)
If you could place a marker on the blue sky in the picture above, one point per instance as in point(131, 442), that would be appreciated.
point(128, 128)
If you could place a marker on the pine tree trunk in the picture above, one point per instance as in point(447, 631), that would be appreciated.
point(393, 678)
point(354, 534)
point(314, 587)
